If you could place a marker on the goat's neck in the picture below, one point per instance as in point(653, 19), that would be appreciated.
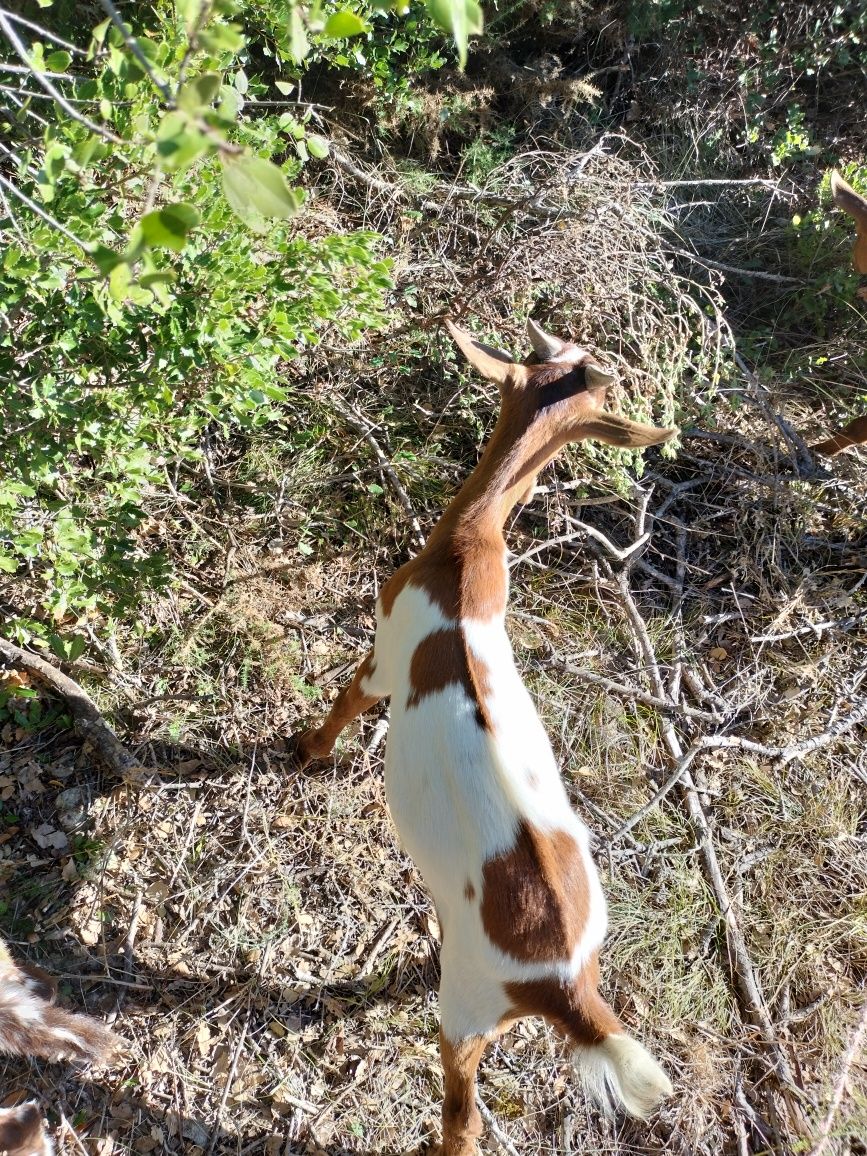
point(479, 511)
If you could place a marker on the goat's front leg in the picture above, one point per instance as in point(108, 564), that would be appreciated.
point(360, 695)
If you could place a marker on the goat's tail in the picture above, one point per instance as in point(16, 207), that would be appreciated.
point(31, 1026)
point(620, 1072)
point(615, 1069)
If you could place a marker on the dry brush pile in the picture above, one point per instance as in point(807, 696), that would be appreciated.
point(692, 628)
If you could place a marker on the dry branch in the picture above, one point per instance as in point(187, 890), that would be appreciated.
point(665, 705)
point(849, 1059)
point(388, 471)
point(86, 717)
point(744, 972)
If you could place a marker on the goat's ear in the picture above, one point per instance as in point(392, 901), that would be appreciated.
point(615, 430)
point(492, 363)
point(855, 205)
point(599, 378)
point(847, 199)
point(545, 345)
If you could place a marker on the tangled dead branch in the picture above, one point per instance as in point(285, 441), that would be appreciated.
point(87, 720)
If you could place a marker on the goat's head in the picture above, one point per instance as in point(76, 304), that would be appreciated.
point(556, 396)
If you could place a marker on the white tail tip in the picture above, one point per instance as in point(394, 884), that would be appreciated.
point(621, 1072)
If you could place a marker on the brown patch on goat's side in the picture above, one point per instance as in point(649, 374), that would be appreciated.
point(443, 659)
point(535, 898)
point(462, 581)
point(574, 1007)
point(469, 891)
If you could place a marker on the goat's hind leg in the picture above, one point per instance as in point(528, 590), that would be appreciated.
point(473, 1013)
point(360, 695)
point(462, 1124)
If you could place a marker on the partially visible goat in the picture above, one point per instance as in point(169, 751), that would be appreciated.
point(22, 1132)
point(854, 433)
point(30, 1025)
point(471, 780)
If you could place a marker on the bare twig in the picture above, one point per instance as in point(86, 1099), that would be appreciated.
point(41, 79)
point(230, 1078)
point(87, 720)
point(672, 781)
point(745, 974)
point(499, 1137)
point(361, 426)
point(44, 33)
point(135, 48)
point(664, 705)
point(40, 212)
point(849, 1059)
point(817, 628)
point(712, 182)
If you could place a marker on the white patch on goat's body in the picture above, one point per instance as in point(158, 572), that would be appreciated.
point(18, 1003)
point(458, 793)
point(413, 617)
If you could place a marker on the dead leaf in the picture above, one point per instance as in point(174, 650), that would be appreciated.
point(48, 838)
point(203, 1039)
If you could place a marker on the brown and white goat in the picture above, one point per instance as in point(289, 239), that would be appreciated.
point(471, 779)
point(854, 433)
point(30, 1025)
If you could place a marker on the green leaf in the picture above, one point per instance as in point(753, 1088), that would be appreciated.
point(8, 564)
point(58, 61)
point(75, 647)
point(104, 258)
point(221, 38)
point(231, 103)
point(299, 45)
point(158, 277)
point(97, 36)
point(201, 92)
point(118, 282)
point(189, 11)
point(167, 228)
point(178, 142)
point(340, 25)
point(256, 188)
point(318, 146)
point(462, 18)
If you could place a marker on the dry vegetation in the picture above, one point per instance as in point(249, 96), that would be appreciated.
point(260, 938)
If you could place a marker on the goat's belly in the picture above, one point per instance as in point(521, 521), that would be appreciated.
point(459, 793)
point(444, 790)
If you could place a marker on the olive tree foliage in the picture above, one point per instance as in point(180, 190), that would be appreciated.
point(157, 269)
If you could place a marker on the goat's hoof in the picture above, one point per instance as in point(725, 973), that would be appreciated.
point(295, 752)
point(298, 755)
